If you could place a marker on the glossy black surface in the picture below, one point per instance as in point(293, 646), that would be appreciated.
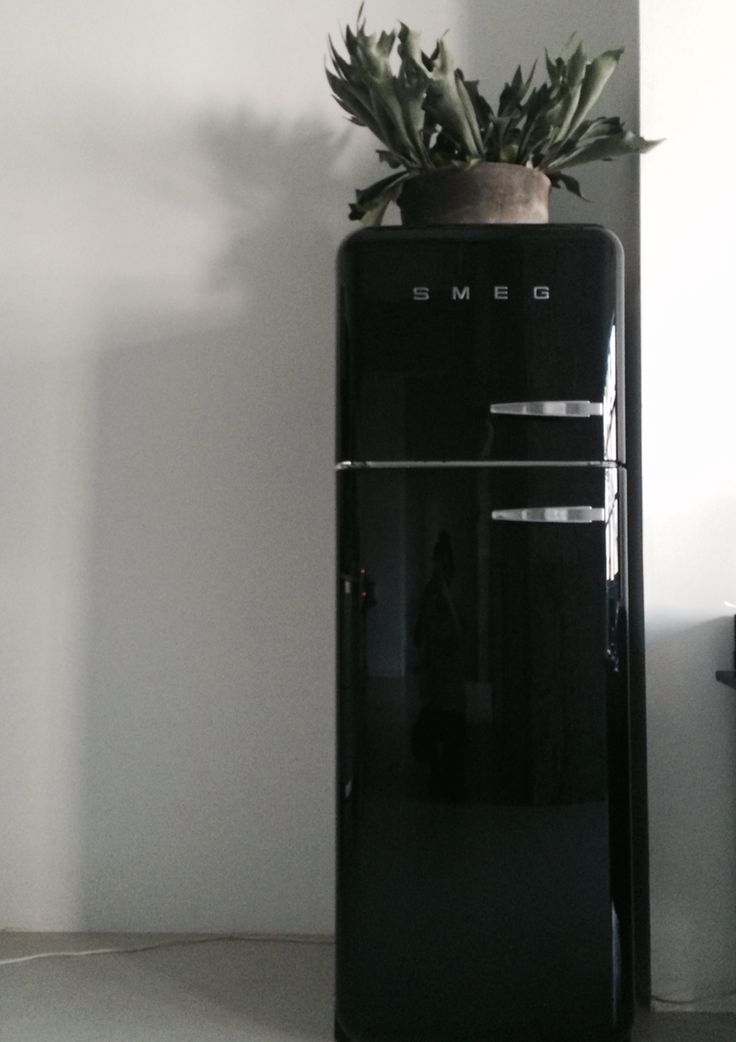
point(435, 327)
point(483, 852)
point(484, 849)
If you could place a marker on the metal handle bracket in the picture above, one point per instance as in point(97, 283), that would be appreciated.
point(563, 409)
point(558, 515)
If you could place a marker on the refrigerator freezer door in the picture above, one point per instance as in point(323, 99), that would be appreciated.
point(472, 345)
point(482, 862)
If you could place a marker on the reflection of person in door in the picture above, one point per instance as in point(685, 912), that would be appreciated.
point(439, 733)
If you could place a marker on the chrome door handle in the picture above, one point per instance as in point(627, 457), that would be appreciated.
point(558, 515)
point(571, 409)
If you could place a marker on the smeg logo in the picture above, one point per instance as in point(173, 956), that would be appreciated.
point(423, 294)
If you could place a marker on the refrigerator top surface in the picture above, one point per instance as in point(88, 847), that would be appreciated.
point(486, 232)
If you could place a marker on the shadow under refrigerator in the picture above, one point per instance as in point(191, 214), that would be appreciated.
point(484, 886)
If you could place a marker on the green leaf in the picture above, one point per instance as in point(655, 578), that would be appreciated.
point(513, 94)
point(570, 92)
point(551, 67)
point(352, 101)
point(568, 48)
point(371, 203)
point(509, 152)
point(449, 102)
point(385, 43)
point(409, 50)
point(576, 66)
point(481, 108)
point(537, 131)
point(411, 88)
point(597, 75)
point(604, 147)
point(390, 158)
point(567, 182)
point(391, 106)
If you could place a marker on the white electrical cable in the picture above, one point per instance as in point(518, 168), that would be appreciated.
point(696, 999)
point(175, 943)
point(306, 939)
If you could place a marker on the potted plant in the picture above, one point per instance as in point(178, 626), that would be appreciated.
point(456, 159)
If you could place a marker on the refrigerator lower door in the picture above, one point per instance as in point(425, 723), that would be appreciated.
point(482, 774)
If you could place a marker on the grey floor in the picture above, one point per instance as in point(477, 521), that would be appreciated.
point(221, 991)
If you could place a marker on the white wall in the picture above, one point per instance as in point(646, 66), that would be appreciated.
point(689, 374)
point(174, 183)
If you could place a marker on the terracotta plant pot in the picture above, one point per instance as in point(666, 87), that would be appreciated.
point(487, 193)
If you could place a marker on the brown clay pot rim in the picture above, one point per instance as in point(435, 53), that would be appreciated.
point(449, 170)
point(484, 193)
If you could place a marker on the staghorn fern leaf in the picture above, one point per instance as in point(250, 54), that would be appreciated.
point(605, 147)
point(564, 180)
point(449, 103)
point(371, 203)
point(597, 75)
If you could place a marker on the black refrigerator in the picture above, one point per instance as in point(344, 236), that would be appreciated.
point(484, 768)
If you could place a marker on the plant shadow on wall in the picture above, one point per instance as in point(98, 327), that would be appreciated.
point(208, 704)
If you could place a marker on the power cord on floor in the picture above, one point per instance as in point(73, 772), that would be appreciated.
point(695, 1000)
point(175, 943)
